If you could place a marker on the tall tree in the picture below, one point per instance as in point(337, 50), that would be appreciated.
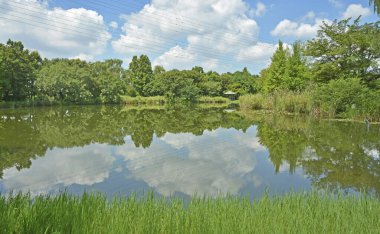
point(277, 71)
point(18, 71)
point(346, 50)
point(242, 82)
point(376, 6)
point(298, 72)
point(178, 85)
point(65, 80)
point(141, 74)
point(108, 80)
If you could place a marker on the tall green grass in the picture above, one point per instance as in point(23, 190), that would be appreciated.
point(280, 102)
point(156, 100)
point(293, 213)
point(212, 100)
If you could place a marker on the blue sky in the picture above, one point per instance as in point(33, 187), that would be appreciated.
point(221, 35)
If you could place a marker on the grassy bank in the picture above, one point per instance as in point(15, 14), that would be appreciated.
point(292, 213)
point(279, 102)
point(213, 100)
point(160, 100)
point(157, 100)
point(316, 105)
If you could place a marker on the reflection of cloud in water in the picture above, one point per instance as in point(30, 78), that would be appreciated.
point(209, 164)
point(374, 153)
point(83, 166)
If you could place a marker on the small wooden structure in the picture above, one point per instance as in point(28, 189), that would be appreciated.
point(231, 95)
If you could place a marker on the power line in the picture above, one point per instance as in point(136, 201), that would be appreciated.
point(242, 42)
point(72, 28)
point(154, 16)
point(43, 25)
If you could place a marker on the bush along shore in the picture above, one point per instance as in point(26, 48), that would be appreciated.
point(346, 104)
point(160, 100)
point(310, 212)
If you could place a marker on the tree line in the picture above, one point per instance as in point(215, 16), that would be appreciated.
point(340, 65)
point(25, 76)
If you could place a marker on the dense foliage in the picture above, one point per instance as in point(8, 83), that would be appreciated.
point(376, 6)
point(26, 77)
point(339, 70)
point(18, 71)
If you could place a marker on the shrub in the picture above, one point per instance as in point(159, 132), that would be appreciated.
point(254, 102)
point(339, 96)
point(280, 101)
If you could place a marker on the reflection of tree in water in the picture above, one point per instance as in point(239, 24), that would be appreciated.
point(338, 155)
point(334, 155)
point(29, 133)
point(345, 156)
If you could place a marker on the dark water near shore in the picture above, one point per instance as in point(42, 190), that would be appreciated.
point(176, 151)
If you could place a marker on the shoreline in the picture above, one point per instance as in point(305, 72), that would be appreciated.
point(20, 105)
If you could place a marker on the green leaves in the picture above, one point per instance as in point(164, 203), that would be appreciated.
point(288, 71)
point(376, 6)
point(18, 68)
point(346, 49)
point(176, 85)
point(140, 74)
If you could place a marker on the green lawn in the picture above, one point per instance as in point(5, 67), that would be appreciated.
point(292, 213)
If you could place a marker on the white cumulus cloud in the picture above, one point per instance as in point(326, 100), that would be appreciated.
point(356, 10)
point(114, 25)
point(179, 34)
point(259, 10)
point(176, 57)
point(54, 32)
point(299, 30)
point(259, 51)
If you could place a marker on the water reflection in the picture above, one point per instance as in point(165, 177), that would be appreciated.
point(184, 151)
point(62, 167)
point(216, 162)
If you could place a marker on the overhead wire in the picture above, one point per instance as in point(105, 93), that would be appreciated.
point(247, 41)
point(151, 48)
point(202, 49)
point(242, 42)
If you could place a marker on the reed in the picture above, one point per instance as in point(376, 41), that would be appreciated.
point(280, 102)
point(310, 212)
point(156, 100)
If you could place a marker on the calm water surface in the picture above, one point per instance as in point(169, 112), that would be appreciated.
point(182, 152)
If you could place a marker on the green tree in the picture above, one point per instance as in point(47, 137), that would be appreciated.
point(65, 80)
point(298, 72)
point(278, 70)
point(141, 74)
point(210, 83)
point(178, 85)
point(2, 72)
point(346, 50)
point(18, 67)
point(158, 70)
point(108, 79)
point(242, 82)
point(376, 6)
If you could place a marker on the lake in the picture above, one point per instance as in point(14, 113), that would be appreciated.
point(182, 151)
